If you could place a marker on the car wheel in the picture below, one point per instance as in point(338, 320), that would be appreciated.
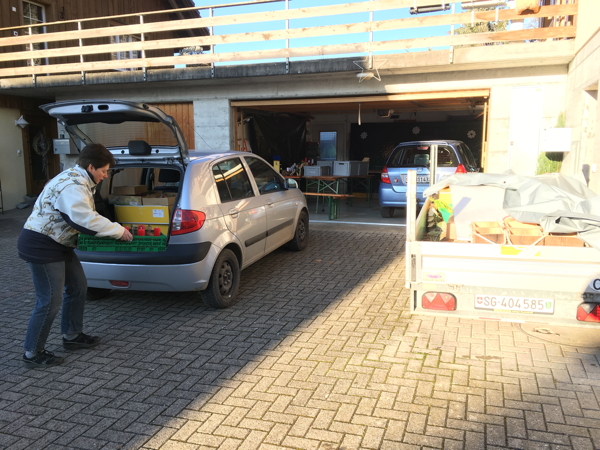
point(97, 293)
point(386, 213)
point(224, 281)
point(300, 240)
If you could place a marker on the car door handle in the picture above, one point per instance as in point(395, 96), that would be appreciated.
point(269, 203)
point(234, 213)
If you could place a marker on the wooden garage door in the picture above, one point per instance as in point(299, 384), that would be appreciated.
point(183, 113)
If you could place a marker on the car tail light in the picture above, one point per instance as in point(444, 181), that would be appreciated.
point(460, 169)
point(588, 312)
point(385, 177)
point(119, 283)
point(440, 301)
point(186, 221)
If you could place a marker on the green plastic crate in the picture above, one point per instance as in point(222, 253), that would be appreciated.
point(88, 243)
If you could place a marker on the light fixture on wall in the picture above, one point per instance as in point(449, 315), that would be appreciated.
point(472, 4)
point(429, 8)
point(372, 71)
point(20, 122)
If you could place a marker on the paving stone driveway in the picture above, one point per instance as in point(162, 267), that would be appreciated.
point(320, 353)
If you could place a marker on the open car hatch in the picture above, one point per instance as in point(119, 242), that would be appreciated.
point(114, 123)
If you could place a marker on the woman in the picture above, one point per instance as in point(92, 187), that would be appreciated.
point(64, 209)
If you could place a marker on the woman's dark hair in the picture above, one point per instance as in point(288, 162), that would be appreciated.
point(97, 155)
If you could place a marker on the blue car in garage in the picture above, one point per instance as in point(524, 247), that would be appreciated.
point(453, 157)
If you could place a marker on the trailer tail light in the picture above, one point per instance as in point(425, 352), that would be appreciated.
point(588, 312)
point(185, 221)
point(460, 169)
point(385, 177)
point(439, 301)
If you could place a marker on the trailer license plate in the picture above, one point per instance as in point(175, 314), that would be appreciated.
point(515, 304)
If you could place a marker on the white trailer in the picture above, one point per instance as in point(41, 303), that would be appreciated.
point(542, 284)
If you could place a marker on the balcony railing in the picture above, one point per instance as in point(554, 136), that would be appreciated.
point(90, 45)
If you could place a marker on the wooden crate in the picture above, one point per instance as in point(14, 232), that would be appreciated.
point(563, 240)
point(484, 235)
point(524, 236)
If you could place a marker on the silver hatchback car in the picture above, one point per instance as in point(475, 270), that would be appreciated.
point(229, 209)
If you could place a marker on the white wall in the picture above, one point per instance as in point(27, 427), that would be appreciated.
point(12, 165)
point(583, 114)
point(213, 124)
point(213, 115)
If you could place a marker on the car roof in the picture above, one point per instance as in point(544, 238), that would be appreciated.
point(447, 142)
point(209, 155)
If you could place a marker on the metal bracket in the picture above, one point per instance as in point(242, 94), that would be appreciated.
point(451, 55)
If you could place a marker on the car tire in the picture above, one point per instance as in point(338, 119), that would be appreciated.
point(300, 240)
point(386, 213)
point(222, 288)
point(97, 293)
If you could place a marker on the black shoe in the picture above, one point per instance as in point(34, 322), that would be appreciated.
point(81, 341)
point(42, 360)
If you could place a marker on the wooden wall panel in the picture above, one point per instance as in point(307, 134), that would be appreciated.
point(183, 113)
point(59, 10)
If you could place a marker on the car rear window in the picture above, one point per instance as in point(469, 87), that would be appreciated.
point(418, 155)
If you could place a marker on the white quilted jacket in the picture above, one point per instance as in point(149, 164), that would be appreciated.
point(66, 207)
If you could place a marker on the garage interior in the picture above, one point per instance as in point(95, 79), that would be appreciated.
point(355, 128)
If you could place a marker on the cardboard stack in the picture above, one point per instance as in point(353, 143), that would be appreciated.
point(135, 206)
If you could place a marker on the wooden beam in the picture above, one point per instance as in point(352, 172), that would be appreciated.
point(365, 100)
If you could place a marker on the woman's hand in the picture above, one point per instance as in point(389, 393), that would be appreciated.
point(126, 236)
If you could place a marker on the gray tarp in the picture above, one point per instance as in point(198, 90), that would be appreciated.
point(559, 204)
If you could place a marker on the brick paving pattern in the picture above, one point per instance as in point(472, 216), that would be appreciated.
point(320, 353)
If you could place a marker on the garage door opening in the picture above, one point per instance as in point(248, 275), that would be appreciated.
point(363, 128)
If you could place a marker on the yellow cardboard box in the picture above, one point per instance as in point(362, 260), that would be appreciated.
point(153, 215)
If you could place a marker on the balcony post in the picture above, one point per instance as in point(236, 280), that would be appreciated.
point(142, 38)
point(81, 59)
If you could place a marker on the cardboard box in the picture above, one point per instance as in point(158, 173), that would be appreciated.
point(153, 215)
point(159, 198)
point(129, 190)
point(131, 200)
point(448, 231)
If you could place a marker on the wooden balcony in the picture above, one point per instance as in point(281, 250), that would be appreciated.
point(148, 41)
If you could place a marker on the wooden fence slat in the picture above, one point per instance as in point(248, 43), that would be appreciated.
point(438, 41)
point(248, 37)
point(446, 19)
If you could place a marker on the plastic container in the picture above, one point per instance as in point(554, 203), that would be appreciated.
point(87, 243)
point(350, 168)
point(316, 171)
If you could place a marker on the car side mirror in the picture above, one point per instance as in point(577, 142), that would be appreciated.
point(291, 184)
